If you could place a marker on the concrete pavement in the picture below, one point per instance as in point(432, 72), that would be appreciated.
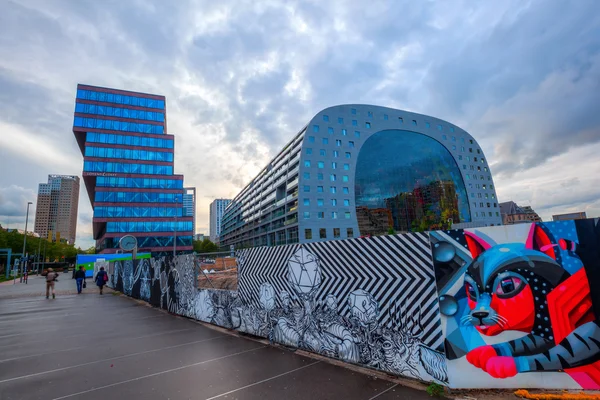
point(96, 347)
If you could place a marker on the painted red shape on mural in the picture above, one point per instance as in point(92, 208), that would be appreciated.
point(570, 306)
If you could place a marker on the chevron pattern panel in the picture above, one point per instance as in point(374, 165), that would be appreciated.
point(397, 270)
point(263, 264)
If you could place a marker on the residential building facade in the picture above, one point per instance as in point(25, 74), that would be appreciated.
point(217, 209)
point(56, 209)
point(569, 216)
point(364, 170)
point(128, 170)
point(515, 214)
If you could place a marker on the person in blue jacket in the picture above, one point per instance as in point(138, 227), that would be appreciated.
point(79, 278)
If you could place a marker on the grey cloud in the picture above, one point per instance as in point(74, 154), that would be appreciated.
point(31, 105)
point(13, 201)
point(559, 115)
point(522, 77)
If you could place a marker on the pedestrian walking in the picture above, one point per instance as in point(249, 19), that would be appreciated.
point(80, 279)
point(101, 278)
point(51, 277)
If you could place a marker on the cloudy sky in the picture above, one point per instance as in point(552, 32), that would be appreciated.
point(242, 77)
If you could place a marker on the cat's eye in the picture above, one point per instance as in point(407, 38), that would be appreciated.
point(508, 287)
point(471, 292)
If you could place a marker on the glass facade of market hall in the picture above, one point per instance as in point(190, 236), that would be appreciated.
point(128, 170)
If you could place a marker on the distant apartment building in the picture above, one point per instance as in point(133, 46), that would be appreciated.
point(56, 210)
point(512, 214)
point(217, 209)
point(189, 205)
point(569, 216)
point(200, 237)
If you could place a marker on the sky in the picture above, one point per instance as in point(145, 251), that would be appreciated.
point(242, 77)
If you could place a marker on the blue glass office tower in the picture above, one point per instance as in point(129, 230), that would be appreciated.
point(128, 170)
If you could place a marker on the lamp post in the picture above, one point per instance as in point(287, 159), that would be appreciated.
point(24, 242)
point(175, 235)
point(37, 257)
point(44, 262)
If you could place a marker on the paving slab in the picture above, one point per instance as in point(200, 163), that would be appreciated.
point(96, 347)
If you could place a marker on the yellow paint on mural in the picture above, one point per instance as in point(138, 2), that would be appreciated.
point(555, 396)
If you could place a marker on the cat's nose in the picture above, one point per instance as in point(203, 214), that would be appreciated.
point(480, 314)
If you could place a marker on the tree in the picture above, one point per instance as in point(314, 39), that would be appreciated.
point(54, 251)
point(205, 246)
point(91, 250)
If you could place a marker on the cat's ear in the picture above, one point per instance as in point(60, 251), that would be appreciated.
point(538, 239)
point(476, 244)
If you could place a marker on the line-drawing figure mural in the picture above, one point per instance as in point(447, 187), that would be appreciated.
point(538, 287)
point(292, 296)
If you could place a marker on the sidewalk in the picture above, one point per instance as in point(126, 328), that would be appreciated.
point(93, 347)
point(36, 286)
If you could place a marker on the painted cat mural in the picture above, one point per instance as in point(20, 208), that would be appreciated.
point(522, 287)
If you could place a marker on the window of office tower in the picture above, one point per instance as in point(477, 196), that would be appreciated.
point(407, 181)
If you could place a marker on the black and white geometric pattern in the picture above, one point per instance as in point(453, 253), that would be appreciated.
point(397, 270)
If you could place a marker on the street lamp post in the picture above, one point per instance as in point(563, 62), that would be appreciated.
point(37, 258)
point(175, 236)
point(24, 242)
point(44, 262)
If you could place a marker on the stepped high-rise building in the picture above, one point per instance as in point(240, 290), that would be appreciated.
point(56, 210)
point(128, 170)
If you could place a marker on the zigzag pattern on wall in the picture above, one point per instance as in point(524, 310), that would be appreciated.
point(263, 264)
point(397, 270)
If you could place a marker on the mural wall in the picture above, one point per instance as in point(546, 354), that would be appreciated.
point(365, 301)
point(517, 305)
point(92, 262)
point(492, 307)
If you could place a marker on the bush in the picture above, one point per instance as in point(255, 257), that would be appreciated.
point(435, 390)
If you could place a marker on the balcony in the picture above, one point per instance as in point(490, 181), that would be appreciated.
point(291, 221)
point(278, 213)
point(277, 225)
point(292, 196)
point(293, 183)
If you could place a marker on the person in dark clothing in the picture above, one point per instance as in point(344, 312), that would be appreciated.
point(101, 278)
point(80, 278)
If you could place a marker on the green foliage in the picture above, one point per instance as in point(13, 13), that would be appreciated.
point(435, 390)
point(91, 250)
point(205, 246)
point(54, 251)
point(391, 231)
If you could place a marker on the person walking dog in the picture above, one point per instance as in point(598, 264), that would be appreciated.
point(80, 279)
point(101, 278)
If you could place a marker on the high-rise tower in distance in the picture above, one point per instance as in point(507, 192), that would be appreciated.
point(56, 210)
point(217, 209)
point(128, 170)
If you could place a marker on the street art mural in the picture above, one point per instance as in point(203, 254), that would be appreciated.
point(516, 304)
point(365, 301)
point(494, 307)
